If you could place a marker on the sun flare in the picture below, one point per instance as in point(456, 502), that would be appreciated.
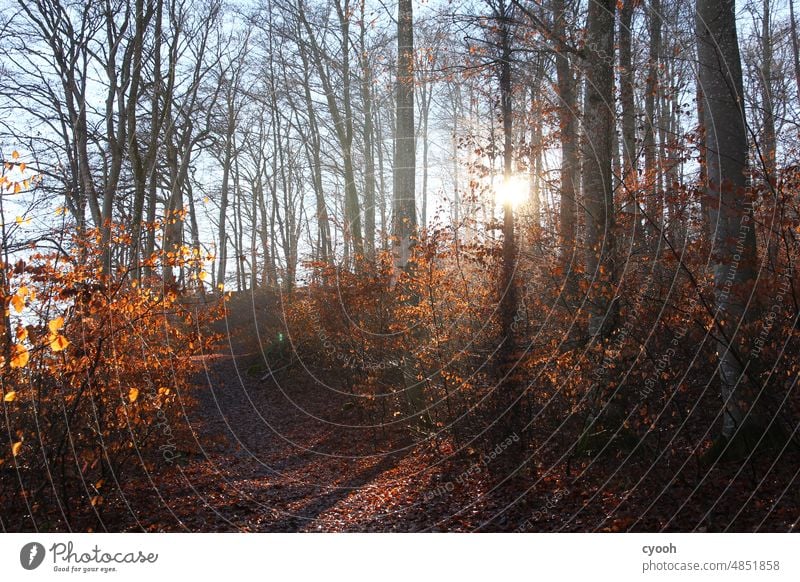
point(514, 191)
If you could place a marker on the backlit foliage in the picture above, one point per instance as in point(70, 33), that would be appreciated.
point(95, 374)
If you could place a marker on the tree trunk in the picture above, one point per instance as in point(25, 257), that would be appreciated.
point(405, 214)
point(768, 144)
point(568, 125)
point(652, 200)
point(227, 155)
point(599, 122)
point(795, 47)
point(626, 89)
point(508, 298)
point(731, 223)
point(369, 148)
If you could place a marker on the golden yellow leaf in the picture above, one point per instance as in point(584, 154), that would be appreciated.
point(18, 301)
point(17, 188)
point(10, 396)
point(56, 324)
point(22, 166)
point(133, 394)
point(15, 448)
point(58, 342)
point(19, 220)
point(203, 276)
point(19, 356)
point(14, 155)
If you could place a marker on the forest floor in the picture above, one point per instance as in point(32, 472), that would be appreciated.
point(290, 456)
point(287, 456)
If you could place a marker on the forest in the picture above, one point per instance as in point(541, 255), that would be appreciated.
point(412, 266)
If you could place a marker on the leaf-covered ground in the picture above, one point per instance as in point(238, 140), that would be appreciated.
point(292, 456)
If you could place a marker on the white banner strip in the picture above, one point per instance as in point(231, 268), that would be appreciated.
point(400, 557)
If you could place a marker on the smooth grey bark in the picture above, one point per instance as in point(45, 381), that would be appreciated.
point(568, 125)
point(404, 208)
point(426, 65)
point(768, 144)
point(535, 158)
point(508, 298)
point(426, 97)
point(369, 139)
point(795, 47)
point(626, 93)
point(227, 156)
point(651, 171)
point(599, 122)
point(730, 214)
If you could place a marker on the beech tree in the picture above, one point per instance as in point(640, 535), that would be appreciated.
point(596, 153)
point(404, 168)
point(731, 216)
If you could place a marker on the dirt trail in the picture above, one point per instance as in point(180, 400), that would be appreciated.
point(293, 455)
point(279, 456)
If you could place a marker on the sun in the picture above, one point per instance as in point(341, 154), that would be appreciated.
point(514, 191)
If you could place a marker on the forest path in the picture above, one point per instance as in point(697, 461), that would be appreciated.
point(288, 456)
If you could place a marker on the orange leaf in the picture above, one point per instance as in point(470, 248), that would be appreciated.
point(18, 301)
point(133, 394)
point(15, 448)
point(10, 396)
point(19, 356)
point(56, 324)
point(14, 155)
point(58, 342)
